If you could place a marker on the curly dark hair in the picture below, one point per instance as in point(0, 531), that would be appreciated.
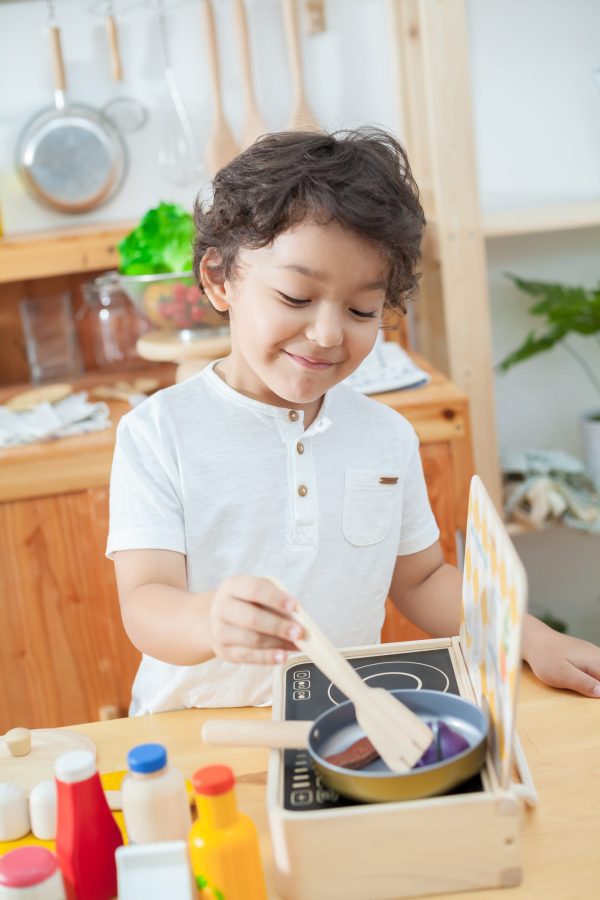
point(360, 179)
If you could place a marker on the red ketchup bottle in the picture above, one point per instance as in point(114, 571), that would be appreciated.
point(86, 832)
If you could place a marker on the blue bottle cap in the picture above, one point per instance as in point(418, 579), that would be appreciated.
point(147, 758)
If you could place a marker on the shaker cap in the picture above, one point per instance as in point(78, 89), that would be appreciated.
point(213, 780)
point(147, 758)
point(27, 866)
point(74, 766)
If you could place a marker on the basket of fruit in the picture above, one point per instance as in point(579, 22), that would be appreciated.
point(155, 272)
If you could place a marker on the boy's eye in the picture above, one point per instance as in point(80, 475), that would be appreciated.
point(364, 315)
point(288, 299)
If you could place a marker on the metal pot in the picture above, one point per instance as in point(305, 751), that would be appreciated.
point(335, 729)
point(70, 157)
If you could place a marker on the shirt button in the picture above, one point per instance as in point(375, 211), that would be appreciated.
point(302, 490)
point(293, 415)
point(300, 448)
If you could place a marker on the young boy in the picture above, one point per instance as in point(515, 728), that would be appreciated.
point(264, 466)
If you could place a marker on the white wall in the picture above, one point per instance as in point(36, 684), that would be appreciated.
point(348, 74)
point(537, 128)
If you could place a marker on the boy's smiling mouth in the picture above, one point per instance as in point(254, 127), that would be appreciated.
point(309, 362)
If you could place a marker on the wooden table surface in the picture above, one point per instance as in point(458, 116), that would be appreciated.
point(560, 734)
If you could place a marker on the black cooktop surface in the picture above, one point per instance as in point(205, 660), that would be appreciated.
point(308, 693)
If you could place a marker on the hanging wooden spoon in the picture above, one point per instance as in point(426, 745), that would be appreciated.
point(254, 124)
point(221, 147)
point(302, 117)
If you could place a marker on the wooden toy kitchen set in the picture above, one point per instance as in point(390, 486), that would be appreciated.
point(463, 840)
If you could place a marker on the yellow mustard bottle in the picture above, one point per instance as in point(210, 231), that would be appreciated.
point(223, 841)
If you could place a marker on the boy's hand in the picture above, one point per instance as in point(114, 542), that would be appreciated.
point(560, 660)
point(249, 621)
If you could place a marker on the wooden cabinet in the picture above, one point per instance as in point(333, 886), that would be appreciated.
point(64, 653)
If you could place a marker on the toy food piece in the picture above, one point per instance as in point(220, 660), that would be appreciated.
point(42, 810)
point(14, 812)
point(47, 393)
point(18, 741)
point(356, 756)
point(446, 744)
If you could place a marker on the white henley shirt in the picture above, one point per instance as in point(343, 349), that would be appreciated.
point(241, 488)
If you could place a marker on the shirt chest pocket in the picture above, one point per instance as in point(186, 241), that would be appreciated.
point(371, 503)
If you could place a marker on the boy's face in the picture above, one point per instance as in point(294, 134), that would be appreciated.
point(304, 312)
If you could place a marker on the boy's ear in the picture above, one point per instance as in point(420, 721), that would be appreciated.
point(213, 280)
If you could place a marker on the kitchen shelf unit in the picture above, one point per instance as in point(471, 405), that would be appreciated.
point(452, 323)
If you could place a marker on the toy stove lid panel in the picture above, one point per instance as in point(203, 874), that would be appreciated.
point(494, 606)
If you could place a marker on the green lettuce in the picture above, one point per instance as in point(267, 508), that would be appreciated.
point(162, 242)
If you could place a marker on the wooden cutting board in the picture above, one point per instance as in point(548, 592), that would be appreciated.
point(38, 765)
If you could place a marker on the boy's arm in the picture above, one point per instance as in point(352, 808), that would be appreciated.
point(428, 591)
point(245, 619)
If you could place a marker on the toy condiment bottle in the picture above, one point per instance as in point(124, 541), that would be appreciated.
point(87, 835)
point(223, 841)
point(14, 812)
point(30, 873)
point(155, 802)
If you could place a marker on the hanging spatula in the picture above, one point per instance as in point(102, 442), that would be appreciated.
point(399, 736)
point(302, 116)
point(221, 147)
point(254, 124)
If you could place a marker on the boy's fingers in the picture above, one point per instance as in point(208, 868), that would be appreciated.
point(264, 657)
point(264, 591)
point(579, 681)
point(252, 616)
point(249, 639)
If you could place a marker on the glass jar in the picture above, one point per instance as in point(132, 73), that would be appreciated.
point(113, 322)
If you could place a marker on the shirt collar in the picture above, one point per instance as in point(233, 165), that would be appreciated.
point(321, 423)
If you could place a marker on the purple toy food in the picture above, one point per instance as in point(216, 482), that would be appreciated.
point(446, 744)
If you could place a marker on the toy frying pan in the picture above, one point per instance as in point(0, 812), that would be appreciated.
point(70, 157)
point(336, 729)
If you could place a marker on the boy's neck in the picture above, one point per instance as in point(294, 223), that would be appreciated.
point(311, 410)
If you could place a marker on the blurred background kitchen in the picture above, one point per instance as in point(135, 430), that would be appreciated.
point(532, 73)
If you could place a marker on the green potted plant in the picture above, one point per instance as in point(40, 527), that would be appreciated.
point(565, 310)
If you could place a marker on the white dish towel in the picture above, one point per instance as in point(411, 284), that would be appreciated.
point(48, 421)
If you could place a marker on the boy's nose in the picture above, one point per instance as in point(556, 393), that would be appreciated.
point(325, 328)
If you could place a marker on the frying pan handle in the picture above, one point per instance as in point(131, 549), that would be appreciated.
point(58, 66)
point(116, 67)
point(246, 733)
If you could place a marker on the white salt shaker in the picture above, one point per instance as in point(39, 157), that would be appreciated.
point(14, 812)
point(42, 810)
point(30, 873)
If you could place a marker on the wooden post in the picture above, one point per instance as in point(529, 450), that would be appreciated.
point(453, 314)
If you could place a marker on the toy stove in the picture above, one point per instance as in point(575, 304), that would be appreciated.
point(308, 693)
point(325, 846)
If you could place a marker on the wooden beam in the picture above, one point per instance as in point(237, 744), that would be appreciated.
point(442, 33)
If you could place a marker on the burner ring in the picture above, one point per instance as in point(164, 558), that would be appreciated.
point(402, 669)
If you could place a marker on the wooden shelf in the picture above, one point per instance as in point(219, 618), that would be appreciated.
point(42, 254)
point(540, 219)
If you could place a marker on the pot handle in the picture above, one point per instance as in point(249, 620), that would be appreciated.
point(247, 733)
point(58, 67)
point(116, 68)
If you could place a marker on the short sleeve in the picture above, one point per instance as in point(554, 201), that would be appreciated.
point(419, 529)
point(145, 504)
